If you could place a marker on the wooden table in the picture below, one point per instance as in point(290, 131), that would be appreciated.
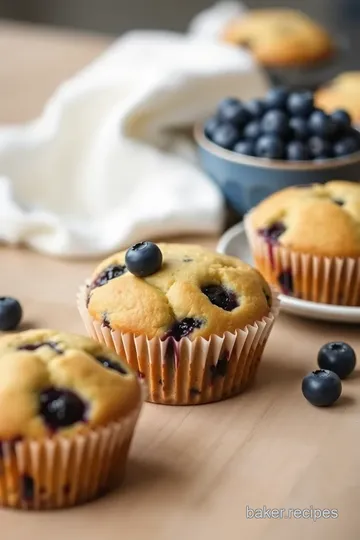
point(193, 470)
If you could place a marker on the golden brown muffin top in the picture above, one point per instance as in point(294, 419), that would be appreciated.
point(321, 220)
point(280, 37)
point(56, 383)
point(195, 293)
point(343, 92)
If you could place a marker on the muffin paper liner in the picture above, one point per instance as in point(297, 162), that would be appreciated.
point(65, 471)
point(328, 280)
point(188, 372)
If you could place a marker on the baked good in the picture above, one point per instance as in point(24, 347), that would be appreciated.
point(306, 241)
point(195, 295)
point(343, 92)
point(63, 398)
point(280, 37)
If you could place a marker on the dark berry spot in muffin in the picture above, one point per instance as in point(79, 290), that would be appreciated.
point(187, 259)
point(247, 43)
point(339, 202)
point(195, 392)
point(219, 369)
point(111, 272)
point(61, 408)
point(221, 297)
point(105, 321)
point(183, 328)
point(67, 489)
point(268, 298)
point(109, 364)
point(273, 233)
point(141, 375)
point(160, 382)
point(27, 488)
point(33, 346)
point(285, 280)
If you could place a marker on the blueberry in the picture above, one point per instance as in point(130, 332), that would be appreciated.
point(273, 232)
point(256, 108)
point(220, 368)
point(10, 313)
point(276, 98)
point(245, 147)
point(183, 328)
point(345, 146)
point(321, 387)
point(61, 408)
point(269, 146)
point(321, 124)
point(211, 126)
point(109, 364)
point(275, 122)
point(233, 111)
point(143, 259)
point(34, 346)
point(342, 119)
point(226, 136)
point(252, 130)
point(297, 151)
point(320, 148)
point(110, 272)
point(338, 357)
point(27, 488)
point(299, 128)
point(300, 103)
point(286, 282)
point(221, 297)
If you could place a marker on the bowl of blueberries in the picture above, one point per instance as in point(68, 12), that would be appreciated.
point(253, 149)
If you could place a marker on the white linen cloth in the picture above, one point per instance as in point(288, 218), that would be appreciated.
point(107, 164)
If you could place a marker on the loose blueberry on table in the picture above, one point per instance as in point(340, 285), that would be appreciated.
point(284, 125)
point(338, 357)
point(10, 313)
point(143, 259)
point(321, 387)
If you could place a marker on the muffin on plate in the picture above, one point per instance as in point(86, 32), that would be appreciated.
point(280, 37)
point(193, 323)
point(342, 92)
point(306, 241)
point(68, 409)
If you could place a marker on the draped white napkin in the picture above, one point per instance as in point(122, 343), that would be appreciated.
point(107, 163)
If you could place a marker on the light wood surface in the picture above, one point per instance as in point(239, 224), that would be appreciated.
point(193, 470)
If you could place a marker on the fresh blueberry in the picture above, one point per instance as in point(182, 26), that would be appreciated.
point(10, 313)
point(342, 119)
point(183, 328)
point(273, 232)
point(321, 124)
point(300, 103)
point(226, 136)
point(321, 387)
point(338, 357)
point(320, 148)
point(299, 128)
point(221, 297)
point(61, 408)
point(297, 151)
point(109, 364)
point(143, 259)
point(277, 98)
point(256, 108)
point(233, 111)
point(270, 146)
point(245, 147)
point(275, 122)
point(211, 126)
point(345, 146)
point(252, 130)
point(220, 368)
point(111, 272)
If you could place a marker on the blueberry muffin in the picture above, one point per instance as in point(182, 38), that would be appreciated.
point(191, 299)
point(280, 37)
point(67, 404)
point(342, 92)
point(306, 241)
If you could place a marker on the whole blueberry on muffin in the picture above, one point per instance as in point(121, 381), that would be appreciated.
point(306, 241)
point(62, 393)
point(185, 293)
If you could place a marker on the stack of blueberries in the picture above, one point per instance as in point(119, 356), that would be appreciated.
point(283, 125)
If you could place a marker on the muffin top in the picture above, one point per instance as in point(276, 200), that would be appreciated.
point(341, 93)
point(196, 292)
point(279, 37)
point(322, 220)
point(56, 383)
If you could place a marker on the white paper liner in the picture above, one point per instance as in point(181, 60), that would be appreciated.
point(188, 372)
point(328, 280)
point(62, 472)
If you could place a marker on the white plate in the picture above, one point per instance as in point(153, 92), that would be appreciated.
point(234, 242)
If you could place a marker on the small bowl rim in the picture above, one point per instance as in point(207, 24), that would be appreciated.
point(250, 161)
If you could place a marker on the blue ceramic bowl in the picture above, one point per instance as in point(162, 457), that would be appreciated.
point(245, 180)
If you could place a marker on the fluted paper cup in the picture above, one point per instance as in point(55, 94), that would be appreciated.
point(188, 372)
point(328, 280)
